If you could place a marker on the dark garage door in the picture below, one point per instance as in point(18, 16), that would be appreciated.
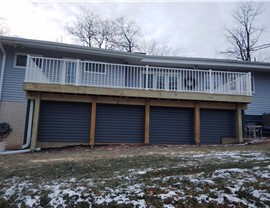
point(216, 124)
point(119, 124)
point(171, 125)
point(64, 122)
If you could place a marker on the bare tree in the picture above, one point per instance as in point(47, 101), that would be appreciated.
point(105, 33)
point(154, 47)
point(128, 33)
point(84, 28)
point(244, 36)
point(94, 31)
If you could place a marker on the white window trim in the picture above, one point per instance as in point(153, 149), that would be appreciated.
point(23, 54)
point(93, 72)
point(15, 60)
point(234, 86)
point(166, 80)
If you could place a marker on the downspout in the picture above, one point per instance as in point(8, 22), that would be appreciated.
point(2, 69)
point(29, 126)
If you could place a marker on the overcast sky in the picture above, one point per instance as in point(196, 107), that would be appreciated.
point(195, 27)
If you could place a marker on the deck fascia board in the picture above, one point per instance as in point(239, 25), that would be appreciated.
point(135, 93)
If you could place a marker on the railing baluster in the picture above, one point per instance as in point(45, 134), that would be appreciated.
point(27, 71)
point(60, 71)
point(210, 81)
point(77, 79)
point(146, 78)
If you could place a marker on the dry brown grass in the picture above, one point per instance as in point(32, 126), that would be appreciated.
point(117, 166)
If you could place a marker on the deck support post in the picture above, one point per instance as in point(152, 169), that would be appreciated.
point(239, 125)
point(197, 132)
point(35, 122)
point(147, 122)
point(93, 121)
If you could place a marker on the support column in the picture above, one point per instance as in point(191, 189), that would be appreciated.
point(35, 122)
point(147, 122)
point(239, 125)
point(93, 121)
point(197, 125)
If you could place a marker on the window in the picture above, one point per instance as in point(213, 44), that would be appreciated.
point(173, 83)
point(94, 68)
point(160, 82)
point(233, 82)
point(150, 81)
point(20, 60)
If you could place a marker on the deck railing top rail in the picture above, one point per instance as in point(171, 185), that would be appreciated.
point(101, 74)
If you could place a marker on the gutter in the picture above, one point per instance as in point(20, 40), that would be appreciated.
point(208, 63)
point(2, 69)
point(71, 47)
point(29, 125)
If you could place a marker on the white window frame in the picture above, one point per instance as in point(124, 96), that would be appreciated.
point(15, 60)
point(23, 54)
point(234, 86)
point(166, 81)
point(93, 72)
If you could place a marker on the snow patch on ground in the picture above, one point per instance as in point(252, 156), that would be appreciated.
point(170, 194)
point(134, 191)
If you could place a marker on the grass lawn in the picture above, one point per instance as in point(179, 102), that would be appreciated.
point(138, 176)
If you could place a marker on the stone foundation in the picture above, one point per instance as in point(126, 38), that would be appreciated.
point(14, 114)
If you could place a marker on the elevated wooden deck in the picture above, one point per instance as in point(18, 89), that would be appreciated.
point(135, 93)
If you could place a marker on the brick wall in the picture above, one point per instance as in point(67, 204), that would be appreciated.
point(14, 114)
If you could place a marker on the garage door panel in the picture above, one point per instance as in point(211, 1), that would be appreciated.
point(119, 124)
point(171, 125)
point(216, 124)
point(64, 122)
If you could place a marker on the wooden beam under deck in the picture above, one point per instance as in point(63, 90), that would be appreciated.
point(197, 122)
point(239, 125)
point(102, 91)
point(35, 122)
point(196, 105)
point(133, 101)
point(93, 122)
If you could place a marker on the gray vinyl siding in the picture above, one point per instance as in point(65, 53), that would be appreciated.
point(64, 122)
point(14, 77)
point(119, 124)
point(216, 124)
point(13, 80)
point(170, 125)
point(261, 98)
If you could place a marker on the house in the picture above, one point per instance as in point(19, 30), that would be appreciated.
point(56, 94)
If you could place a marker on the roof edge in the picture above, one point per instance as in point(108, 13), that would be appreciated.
point(71, 47)
point(140, 58)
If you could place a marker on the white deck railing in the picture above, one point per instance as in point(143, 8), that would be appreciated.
point(87, 73)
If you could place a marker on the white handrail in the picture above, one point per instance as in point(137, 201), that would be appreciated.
point(101, 74)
